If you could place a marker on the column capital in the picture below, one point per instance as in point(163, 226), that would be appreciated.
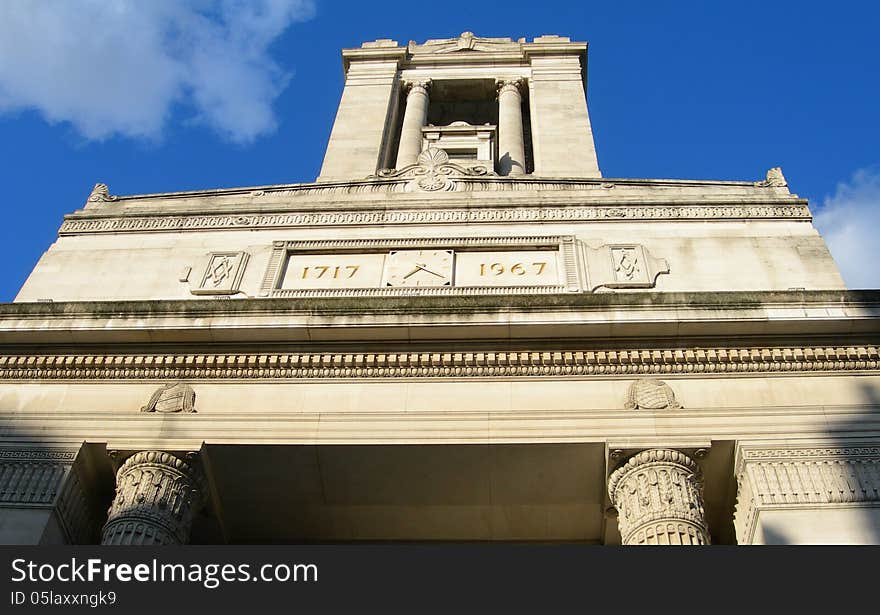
point(509, 85)
point(658, 495)
point(157, 496)
point(416, 85)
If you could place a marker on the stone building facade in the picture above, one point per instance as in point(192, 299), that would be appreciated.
point(460, 331)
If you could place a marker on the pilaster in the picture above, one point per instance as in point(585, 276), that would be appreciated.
point(363, 124)
point(820, 493)
point(46, 496)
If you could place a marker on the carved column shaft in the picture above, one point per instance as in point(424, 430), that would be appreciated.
point(157, 497)
point(511, 146)
point(659, 498)
point(415, 117)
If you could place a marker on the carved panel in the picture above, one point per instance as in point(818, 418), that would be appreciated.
point(33, 476)
point(623, 266)
point(389, 267)
point(774, 478)
point(222, 274)
point(53, 479)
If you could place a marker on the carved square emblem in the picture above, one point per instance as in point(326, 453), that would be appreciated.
point(222, 274)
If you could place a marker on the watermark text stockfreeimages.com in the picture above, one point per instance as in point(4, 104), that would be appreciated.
point(210, 576)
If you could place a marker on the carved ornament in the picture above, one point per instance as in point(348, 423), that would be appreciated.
point(774, 478)
point(774, 179)
point(157, 496)
point(400, 181)
point(650, 394)
point(432, 172)
point(101, 194)
point(222, 274)
point(658, 494)
point(171, 398)
point(609, 362)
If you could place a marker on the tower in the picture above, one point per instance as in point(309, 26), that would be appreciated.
point(459, 331)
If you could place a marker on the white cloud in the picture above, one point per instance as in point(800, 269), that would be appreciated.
point(849, 221)
point(120, 66)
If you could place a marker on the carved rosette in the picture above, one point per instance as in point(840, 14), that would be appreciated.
point(157, 497)
point(658, 494)
point(432, 172)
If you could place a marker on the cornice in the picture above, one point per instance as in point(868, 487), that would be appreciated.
point(420, 365)
point(248, 219)
point(788, 315)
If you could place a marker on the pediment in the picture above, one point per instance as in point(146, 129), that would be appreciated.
point(466, 42)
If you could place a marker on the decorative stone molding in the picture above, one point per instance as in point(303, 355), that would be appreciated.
point(775, 179)
point(432, 172)
point(50, 478)
point(650, 394)
point(100, 194)
point(157, 496)
point(222, 274)
point(781, 478)
point(33, 476)
point(81, 224)
point(623, 266)
point(554, 364)
point(171, 398)
point(658, 494)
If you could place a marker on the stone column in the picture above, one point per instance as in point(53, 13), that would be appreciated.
point(157, 496)
point(658, 494)
point(511, 147)
point(414, 118)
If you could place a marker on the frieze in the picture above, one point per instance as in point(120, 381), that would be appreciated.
point(629, 362)
point(33, 477)
point(140, 224)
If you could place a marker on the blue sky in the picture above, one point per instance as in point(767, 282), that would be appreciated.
point(170, 95)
